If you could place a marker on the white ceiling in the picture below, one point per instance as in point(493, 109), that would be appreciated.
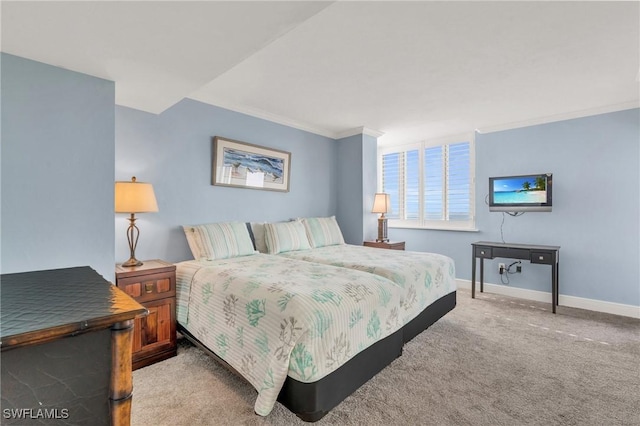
point(413, 70)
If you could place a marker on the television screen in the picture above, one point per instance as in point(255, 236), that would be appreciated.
point(521, 193)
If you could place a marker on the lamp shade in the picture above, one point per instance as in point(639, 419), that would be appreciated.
point(381, 203)
point(135, 197)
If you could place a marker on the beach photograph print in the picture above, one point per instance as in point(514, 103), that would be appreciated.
point(520, 190)
point(245, 165)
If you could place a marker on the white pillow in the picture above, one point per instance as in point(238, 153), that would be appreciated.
point(219, 240)
point(285, 236)
point(323, 231)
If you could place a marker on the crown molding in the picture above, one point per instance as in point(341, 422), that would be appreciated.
point(274, 118)
point(376, 134)
point(359, 131)
point(560, 117)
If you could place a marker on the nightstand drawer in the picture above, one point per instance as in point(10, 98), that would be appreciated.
point(149, 287)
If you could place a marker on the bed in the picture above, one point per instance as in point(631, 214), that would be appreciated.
point(304, 333)
point(424, 279)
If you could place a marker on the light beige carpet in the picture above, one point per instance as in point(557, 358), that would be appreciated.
point(494, 360)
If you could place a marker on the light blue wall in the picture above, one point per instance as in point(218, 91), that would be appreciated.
point(357, 159)
point(58, 154)
point(369, 187)
point(349, 190)
point(595, 163)
point(173, 151)
point(57, 168)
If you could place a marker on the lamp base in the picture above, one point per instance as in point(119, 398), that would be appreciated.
point(131, 263)
point(132, 238)
point(382, 230)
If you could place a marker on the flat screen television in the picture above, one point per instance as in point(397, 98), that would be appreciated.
point(525, 193)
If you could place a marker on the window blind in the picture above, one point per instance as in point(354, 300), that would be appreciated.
point(430, 184)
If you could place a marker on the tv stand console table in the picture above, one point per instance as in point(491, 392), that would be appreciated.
point(547, 255)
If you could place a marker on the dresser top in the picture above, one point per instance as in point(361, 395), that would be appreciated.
point(45, 305)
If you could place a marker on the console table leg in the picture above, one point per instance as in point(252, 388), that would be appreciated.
point(481, 275)
point(473, 275)
point(554, 286)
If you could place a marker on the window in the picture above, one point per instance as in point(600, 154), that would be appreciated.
point(431, 184)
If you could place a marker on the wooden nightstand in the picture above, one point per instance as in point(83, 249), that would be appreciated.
point(153, 285)
point(393, 245)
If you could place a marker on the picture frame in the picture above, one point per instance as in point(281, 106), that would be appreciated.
point(244, 165)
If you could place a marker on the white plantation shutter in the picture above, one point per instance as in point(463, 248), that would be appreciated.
point(392, 181)
point(434, 168)
point(412, 185)
point(430, 184)
point(458, 182)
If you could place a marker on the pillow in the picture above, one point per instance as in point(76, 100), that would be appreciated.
point(323, 231)
point(285, 236)
point(219, 240)
point(258, 237)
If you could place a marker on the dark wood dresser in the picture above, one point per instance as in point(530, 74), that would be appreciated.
point(66, 348)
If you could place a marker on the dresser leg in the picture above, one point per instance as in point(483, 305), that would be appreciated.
point(121, 383)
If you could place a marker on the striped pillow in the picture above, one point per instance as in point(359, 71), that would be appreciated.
point(323, 231)
point(219, 240)
point(285, 236)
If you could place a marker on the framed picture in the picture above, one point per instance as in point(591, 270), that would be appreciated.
point(245, 165)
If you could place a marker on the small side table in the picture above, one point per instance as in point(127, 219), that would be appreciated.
point(546, 255)
point(393, 245)
point(153, 285)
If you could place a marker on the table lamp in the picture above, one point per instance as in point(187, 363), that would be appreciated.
point(381, 204)
point(134, 197)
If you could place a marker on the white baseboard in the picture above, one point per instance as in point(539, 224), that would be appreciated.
point(570, 301)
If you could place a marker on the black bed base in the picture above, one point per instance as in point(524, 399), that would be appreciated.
point(426, 318)
point(312, 401)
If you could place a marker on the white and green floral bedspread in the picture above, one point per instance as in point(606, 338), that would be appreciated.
point(424, 277)
point(269, 317)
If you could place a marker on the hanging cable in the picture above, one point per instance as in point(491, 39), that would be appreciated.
point(514, 214)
